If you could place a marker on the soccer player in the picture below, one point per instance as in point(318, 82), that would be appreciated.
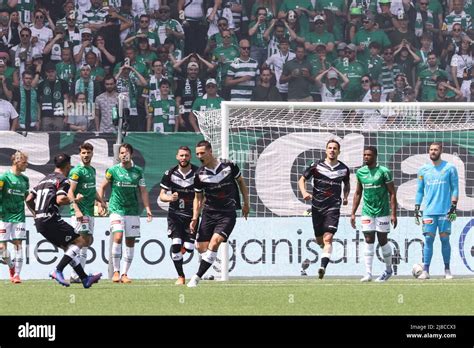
point(14, 188)
point(217, 181)
point(82, 180)
point(179, 180)
point(438, 188)
point(328, 176)
point(125, 178)
point(375, 184)
point(44, 201)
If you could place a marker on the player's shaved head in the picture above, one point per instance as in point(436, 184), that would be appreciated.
point(205, 143)
point(62, 160)
point(373, 149)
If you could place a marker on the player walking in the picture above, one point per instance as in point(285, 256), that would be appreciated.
point(328, 176)
point(125, 178)
point(375, 182)
point(14, 188)
point(82, 180)
point(217, 181)
point(438, 189)
point(180, 181)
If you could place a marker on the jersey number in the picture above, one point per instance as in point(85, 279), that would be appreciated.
point(40, 199)
point(181, 204)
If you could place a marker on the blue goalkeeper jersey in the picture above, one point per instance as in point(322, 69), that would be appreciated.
point(437, 185)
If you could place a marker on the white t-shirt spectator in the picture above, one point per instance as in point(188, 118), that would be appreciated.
point(226, 13)
point(7, 113)
point(44, 34)
point(276, 62)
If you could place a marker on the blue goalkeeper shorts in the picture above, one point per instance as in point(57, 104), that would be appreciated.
point(431, 223)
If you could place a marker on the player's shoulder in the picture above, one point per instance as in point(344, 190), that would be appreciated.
point(343, 165)
point(449, 165)
point(137, 168)
point(227, 162)
point(383, 169)
point(194, 168)
point(171, 170)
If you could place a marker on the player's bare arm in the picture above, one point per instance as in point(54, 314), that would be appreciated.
point(197, 207)
point(102, 188)
point(346, 191)
point(165, 197)
point(146, 203)
point(245, 193)
point(302, 186)
point(70, 195)
point(393, 203)
point(30, 203)
point(355, 203)
point(102, 204)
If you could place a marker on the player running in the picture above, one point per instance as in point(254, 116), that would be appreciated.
point(438, 189)
point(180, 181)
point(217, 181)
point(376, 184)
point(44, 201)
point(82, 180)
point(125, 178)
point(14, 186)
point(328, 176)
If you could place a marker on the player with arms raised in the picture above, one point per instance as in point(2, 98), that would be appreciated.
point(82, 180)
point(438, 188)
point(125, 178)
point(14, 188)
point(328, 176)
point(217, 181)
point(375, 185)
point(180, 181)
point(44, 201)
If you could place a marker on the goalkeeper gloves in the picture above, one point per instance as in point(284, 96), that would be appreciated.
point(417, 214)
point(452, 213)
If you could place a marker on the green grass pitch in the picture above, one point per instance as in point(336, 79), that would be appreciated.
point(275, 296)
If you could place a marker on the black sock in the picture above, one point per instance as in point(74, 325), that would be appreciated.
point(63, 263)
point(203, 267)
point(80, 271)
point(178, 264)
point(324, 262)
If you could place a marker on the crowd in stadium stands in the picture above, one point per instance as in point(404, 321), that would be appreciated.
point(63, 63)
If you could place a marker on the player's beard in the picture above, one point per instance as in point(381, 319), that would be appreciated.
point(183, 164)
point(434, 157)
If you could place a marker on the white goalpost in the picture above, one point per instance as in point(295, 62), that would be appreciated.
point(273, 142)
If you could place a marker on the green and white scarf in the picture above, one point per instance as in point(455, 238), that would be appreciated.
point(419, 22)
point(50, 99)
point(81, 88)
point(33, 107)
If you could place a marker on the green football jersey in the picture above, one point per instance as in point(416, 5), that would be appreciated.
point(375, 194)
point(13, 190)
point(84, 176)
point(125, 182)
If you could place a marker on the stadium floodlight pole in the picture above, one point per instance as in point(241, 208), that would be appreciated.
point(122, 98)
point(224, 154)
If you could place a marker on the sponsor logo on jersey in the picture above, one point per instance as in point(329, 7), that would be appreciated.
point(383, 223)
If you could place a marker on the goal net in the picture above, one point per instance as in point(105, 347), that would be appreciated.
point(274, 142)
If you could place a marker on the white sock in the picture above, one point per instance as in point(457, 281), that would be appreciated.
point(387, 256)
point(116, 255)
point(369, 257)
point(83, 256)
point(128, 259)
point(18, 255)
point(73, 251)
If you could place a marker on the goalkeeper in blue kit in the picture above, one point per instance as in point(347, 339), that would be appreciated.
point(438, 189)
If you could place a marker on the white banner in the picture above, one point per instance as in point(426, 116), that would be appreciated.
point(261, 247)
